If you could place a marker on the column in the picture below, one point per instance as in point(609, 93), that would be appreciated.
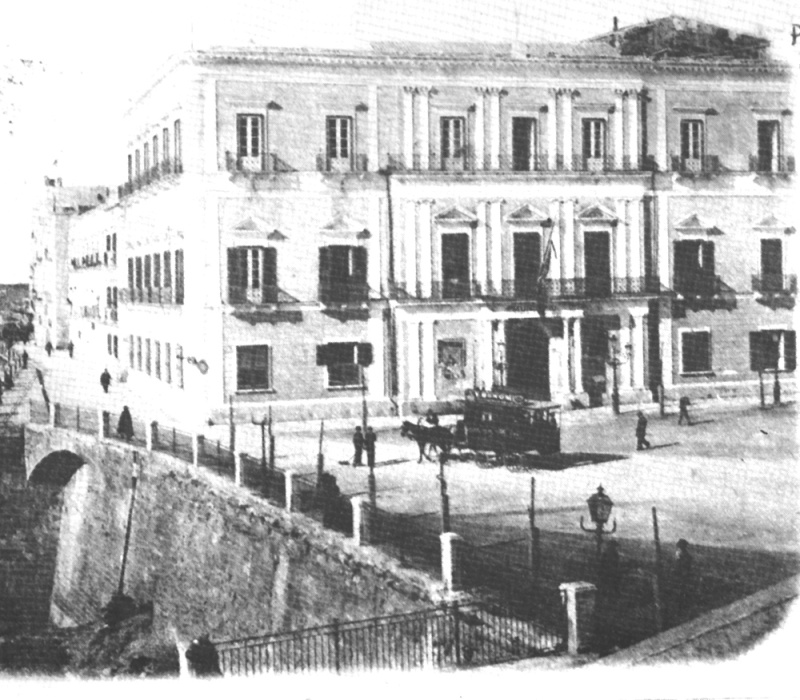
point(375, 372)
point(566, 127)
point(563, 342)
point(413, 358)
point(374, 262)
point(624, 371)
point(637, 348)
point(554, 271)
point(494, 128)
point(568, 247)
point(424, 128)
point(552, 133)
point(577, 355)
point(424, 257)
point(373, 156)
point(665, 338)
point(480, 130)
point(633, 128)
point(408, 127)
point(427, 360)
point(619, 130)
point(484, 349)
point(411, 247)
point(662, 156)
point(661, 224)
point(636, 242)
point(620, 235)
point(495, 234)
point(481, 258)
point(451, 561)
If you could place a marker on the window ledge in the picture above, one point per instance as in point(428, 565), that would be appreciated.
point(709, 373)
point(349, 387)
point(256, 391)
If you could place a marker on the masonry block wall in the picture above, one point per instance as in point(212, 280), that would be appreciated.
point(211, 557)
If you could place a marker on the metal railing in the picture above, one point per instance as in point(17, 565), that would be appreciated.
point(172, 441)
point(703, 164)
point(163, 296)
point(775, 284)
point(355, 162)
point(150, 175)
point(344, 293)
point(212, 454)
point(765, 163)
point(439, 638)
point(700, 285)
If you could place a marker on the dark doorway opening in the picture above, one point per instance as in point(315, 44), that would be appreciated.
point(455, 266)
point(594, 353)
point(597, 263)
point(523, 143)
point(527, 259)
point(528, 358)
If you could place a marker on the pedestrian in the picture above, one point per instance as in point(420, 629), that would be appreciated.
point(8, 379)
point(682, 577)
point(203, 658)
point(641, 432)
point(71, 348)
point(125, 424)
point(431, 418)
point(369, 443)
point(24, 359)
point(358, 446)
point(684, 404)
point(105, 380)
point(48, 348)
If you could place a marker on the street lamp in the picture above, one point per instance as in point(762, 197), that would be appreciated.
point(615, 361)
point(600, 506)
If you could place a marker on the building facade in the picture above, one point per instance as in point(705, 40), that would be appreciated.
point(303, 230)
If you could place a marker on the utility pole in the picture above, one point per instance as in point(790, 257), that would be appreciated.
point(534, 533)
point(657, 581)
point(134, 480)
point(320, 454)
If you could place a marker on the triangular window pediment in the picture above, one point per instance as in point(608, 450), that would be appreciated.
point(773, 223)
point(455, 215)
point(345, 226)
point(250, 225)
point(596, 212)
point(693, 222)
point(526, 214)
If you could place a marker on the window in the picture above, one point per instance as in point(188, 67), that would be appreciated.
point(110, 344)
point(179, 277)
point(131, 351)
point(178, 145)
point(155, 152)
point(771, 265)
point(452, 136)
point(252, 275)
point(146, 159)
point(455, 266)
point(694, 268)
point(527, 260)
point(179, 358)
point(248, 135)
point(343, 274)
point(139, 353)
point(594, 143)
point(523, 143)
point(147, 358)
point(168, 363)
point(130, 168)
point(138, 164)
point(157, 362)
point(253, 368)
point(165, 143)
point(695, 352)
point(148, 281)
point(692, 144)
point(344, 362)
point(338, 139)
point(773, 349)
point(768, 145)
point(167, 269)
point(139, 275)
point(157, 270)
point(116, 346)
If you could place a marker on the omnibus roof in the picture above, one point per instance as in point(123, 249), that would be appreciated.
point(507, 400)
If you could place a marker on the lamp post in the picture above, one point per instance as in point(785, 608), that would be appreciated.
point(615, 361)
point(500, 365)
point(600, 506)
point(776, 387)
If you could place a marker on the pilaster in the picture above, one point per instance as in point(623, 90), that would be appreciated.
point(552, 130)
point(424, 127)
point(619, 129)
point(554, 272)
point(494, 128)
point(408, 127)
point(427, 359)
point(568, 247)
point(411, 247)
point(566, 127)
point(480, 130)
point(413, 358)
point(620, 243)
point(577, 355)
point(633, 128)
point(372, 128)
point(637, 348)
point(424, 257)
point(495, 234)
point(481, 253)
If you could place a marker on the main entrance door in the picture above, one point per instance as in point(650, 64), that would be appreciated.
point(597, 263)
point(528, 358)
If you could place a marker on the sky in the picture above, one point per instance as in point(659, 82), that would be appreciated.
point(85, 58)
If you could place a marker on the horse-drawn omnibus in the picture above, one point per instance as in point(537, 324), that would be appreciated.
point(508, 423)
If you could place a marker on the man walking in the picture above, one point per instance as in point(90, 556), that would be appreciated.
point(369, 443)
point(105, 380)
point(125, 424)
point(358, 446)
point(684, 410)
point(641, 432)
point(24, 359)
point(71, 348)
point(48, 348)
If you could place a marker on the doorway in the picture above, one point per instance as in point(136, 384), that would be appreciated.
point(597, 263)
point(528, 358)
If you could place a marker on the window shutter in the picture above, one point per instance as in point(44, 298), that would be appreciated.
point(708, 257)
point(685, 139)
point(359, 265)
point(270, 267)
point(324, 272)
point(756, 352)
point(365, 354)
point(331, 136)
point(445, 138)
point(789, 351)
point(322, 355)
point(587, 138)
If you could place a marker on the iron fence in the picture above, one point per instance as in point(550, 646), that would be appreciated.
point(412, 539)
point(172, 441)
point(447, 637)
point(212, 454)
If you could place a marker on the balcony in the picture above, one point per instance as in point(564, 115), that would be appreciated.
point(766, 163)
point(161, 296)
point(775, 284)
point(344, 293)
point(262, 304)
point(265, 163)
point(690, 166)
point(702, 291)
point(149, 176)
point(582, 288)
point(356, 163)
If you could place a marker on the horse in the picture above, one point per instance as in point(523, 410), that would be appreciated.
point(437, 437)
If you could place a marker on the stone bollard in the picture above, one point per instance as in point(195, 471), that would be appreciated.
point(148, 436)
point(195, 450)
point(578, 598)
point(451, 561)
point(237, 467)
point(363, 519)
point(154, 434)
point(288, 477)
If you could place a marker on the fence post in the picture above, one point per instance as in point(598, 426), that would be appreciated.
point(101, 426)
point(195, 449)
point(154, 437)
point(54, 414)
point(533, 553)
point(456, 634)
point(336, 645)
point(288, 476)
point(451, 561)
point(237, 467)
point(148, 435)
point(363, 516)
point(578, 599)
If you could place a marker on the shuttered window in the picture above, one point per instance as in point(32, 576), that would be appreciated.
point(253, 370)
point(695, 352)
point(344, 362)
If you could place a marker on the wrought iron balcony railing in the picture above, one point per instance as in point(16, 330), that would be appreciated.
point(163, 296)
point(701, 285)
point(765, 163)
point(264, 163)
point(775, 284)
point(344, 293)
point(265, 294)
point(703, 164)
point(150, 175)
point(356, 162)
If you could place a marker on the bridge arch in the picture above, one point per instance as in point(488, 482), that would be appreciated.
point(57, 468)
